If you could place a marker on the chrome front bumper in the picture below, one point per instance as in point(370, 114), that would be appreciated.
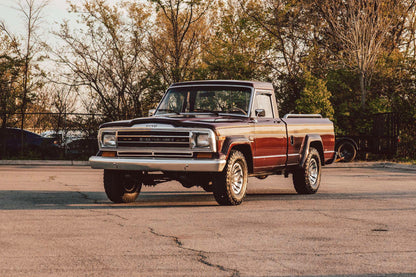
point(157, 164)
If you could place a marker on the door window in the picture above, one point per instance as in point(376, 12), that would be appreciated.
point(264, 101)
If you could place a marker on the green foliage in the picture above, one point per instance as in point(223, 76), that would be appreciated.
point(344, 87)
point(238, 49)
point(396, 85)
point(11, 67)
point(315, 97)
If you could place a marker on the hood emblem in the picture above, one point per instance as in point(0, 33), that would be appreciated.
point(153, 125)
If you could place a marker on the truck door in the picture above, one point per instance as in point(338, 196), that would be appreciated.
point(270, 141)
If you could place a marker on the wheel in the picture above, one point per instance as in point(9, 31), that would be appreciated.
point(122, 186)
point(307, 179)
point(230, 186)
point(346, 152)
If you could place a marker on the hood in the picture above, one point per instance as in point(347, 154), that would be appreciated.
point(179, 121)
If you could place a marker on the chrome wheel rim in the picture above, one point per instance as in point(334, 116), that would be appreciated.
point(313, 173)
point(237, 178)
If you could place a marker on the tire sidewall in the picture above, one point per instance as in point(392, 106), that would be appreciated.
point(313, 155)
point(223, 185)
point(122, 189)
point(301, 178)
point(131, 187)
point(242, 162)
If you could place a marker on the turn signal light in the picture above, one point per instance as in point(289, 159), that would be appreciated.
point(108, 154)
point(204, 155)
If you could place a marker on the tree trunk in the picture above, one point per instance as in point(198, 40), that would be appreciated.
point(4, 121)
point(363, 89)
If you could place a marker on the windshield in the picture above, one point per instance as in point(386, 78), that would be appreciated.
point(225, 100)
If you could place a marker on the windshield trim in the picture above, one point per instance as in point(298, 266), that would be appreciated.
point(252, 92)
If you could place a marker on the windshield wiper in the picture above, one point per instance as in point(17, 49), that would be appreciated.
point(168, 111)
point(233, 114)
point(217, 113)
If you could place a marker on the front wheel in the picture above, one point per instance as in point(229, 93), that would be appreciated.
point(307, 178)
point(122, 186)
point(231, 185)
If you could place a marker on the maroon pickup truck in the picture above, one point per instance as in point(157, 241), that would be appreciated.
point(214, 134)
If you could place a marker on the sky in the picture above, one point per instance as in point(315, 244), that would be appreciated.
point(54, 13)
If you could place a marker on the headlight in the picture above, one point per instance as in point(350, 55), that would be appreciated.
point(109, 140)
point(200, 140)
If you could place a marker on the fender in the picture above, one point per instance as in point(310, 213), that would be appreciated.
point(309, 139)
point(232, 141)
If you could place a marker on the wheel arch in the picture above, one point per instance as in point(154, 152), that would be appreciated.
point(246, 150)
point(315, 141)
point(241, 144)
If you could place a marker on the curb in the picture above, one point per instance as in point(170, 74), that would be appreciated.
point(391, 165)
point(44, 162)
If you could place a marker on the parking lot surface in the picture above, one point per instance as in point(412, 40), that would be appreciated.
point(57, 221)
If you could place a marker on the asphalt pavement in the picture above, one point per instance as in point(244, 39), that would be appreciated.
point(57, 221)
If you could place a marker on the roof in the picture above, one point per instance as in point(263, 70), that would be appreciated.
point(253, 84)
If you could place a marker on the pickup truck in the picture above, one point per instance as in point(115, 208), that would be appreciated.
point(214, 134)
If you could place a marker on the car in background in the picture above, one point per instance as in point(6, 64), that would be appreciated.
point(75, 144)
point(82, 149)
point(64, 137)
point(34, 145)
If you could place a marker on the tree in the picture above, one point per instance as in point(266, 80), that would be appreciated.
point(288, 26)
point(10, 76)
point(28, 53)
point(315, 97)
point(238, 49)
point(32, 14)
point(175, 43)
point(360, 30)
point(106, 56)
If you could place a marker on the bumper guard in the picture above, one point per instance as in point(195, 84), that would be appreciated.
point(157, 164)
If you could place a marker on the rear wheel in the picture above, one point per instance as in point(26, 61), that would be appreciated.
point(122, 186)
point(231, 184)
point(307, 178)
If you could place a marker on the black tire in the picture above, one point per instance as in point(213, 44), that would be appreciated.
point(307, 179)
point(346, 152)
point(230, 185)
point(122, 186)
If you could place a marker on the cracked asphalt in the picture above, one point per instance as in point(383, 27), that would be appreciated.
point(57, 221)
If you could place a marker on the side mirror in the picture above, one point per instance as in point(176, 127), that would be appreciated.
point(151, 112)
point(260, 113)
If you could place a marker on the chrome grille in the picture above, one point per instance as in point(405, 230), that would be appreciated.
point(153, 139)
point(155, 154)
